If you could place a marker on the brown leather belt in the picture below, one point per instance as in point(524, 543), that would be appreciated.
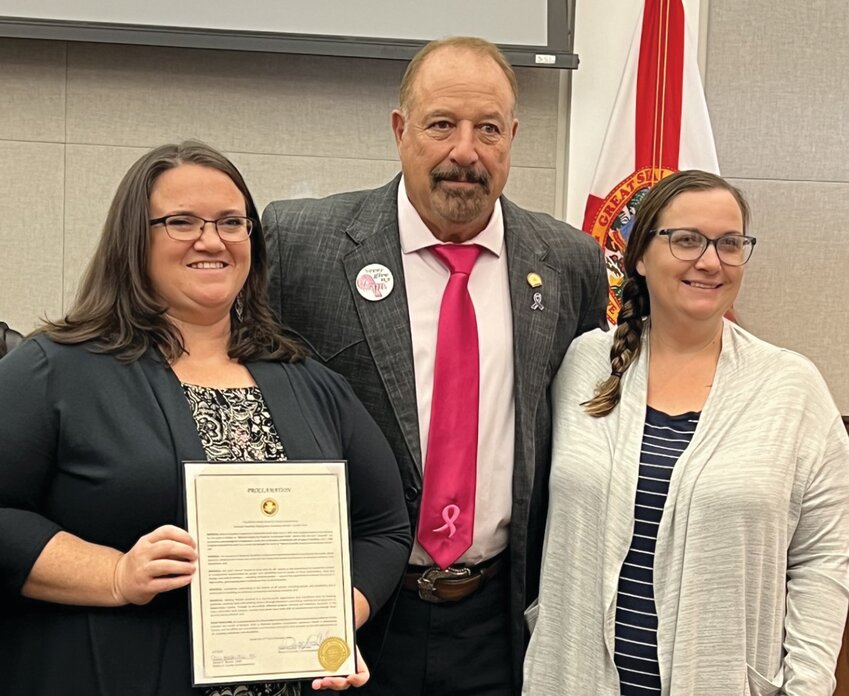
point(436, 585)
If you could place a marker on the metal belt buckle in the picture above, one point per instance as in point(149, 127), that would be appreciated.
point(427, 581)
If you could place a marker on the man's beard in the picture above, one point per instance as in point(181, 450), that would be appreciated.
point(460, 205)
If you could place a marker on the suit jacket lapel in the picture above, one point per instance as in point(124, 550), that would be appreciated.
point(168, 393)
point(171, 399)
point(296, 433)
point(386, 322)
point(534, 325)
point(534, 320)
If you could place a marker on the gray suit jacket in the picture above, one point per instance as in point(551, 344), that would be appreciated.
point(316, 249)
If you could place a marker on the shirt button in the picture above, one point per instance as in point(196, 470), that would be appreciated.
point(411, 493)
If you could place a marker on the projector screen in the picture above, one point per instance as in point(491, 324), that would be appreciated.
point(531, 32)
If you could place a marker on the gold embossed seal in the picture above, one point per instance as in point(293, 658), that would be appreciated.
point(332, 653)
point(269, 507)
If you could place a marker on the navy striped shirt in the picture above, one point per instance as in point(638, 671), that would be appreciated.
point(665, 437)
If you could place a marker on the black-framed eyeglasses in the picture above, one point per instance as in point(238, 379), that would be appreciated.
point(689, 245)
point(189, 228)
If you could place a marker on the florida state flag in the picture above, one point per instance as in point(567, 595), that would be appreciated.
point(660, 124)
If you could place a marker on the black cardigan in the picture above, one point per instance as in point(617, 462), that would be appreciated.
point(95, 447)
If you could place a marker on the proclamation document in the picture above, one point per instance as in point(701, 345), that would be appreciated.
point(272, 599)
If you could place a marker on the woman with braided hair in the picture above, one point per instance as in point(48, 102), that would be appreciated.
point(697, 540)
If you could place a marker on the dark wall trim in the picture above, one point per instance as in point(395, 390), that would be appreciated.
point(558, 55)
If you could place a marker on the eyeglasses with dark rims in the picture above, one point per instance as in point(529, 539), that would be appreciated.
point(689, 245)
point(189, 228)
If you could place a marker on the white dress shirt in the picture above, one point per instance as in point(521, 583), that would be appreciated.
point(426, 278)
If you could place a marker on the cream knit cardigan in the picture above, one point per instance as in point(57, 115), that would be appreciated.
point(751, 572)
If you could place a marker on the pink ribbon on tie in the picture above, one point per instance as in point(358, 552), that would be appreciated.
point(449, 514)
point(450, 469)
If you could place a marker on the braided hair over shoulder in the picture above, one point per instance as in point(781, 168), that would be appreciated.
point(636, 304)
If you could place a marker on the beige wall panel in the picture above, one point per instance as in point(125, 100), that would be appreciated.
point(794, 293)
point(30, 232)
point(536, 142)
point(777, 86)
point(532, 188)
point(92, 176)
point(263, 103)
point(32, 85)
point(245, 102)
point(275, 177)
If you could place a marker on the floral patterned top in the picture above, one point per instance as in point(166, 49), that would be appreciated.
point(234, 424)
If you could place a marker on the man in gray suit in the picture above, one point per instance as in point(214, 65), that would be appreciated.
point(355, 278)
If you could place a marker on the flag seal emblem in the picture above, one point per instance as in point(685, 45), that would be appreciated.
point(611, 227)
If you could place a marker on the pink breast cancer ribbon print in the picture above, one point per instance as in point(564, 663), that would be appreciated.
point(447, 514)
point(450, 513)
point(368, 283)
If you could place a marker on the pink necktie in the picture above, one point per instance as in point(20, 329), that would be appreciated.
point(447, 514)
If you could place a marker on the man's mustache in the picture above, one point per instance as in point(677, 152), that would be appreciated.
point(461, 174)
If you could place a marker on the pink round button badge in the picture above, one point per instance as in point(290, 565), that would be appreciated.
point(375, 282)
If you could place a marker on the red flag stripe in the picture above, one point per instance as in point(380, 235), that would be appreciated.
point(650, 102)
point(660, 86)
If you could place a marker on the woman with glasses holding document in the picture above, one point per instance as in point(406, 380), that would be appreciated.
point(170, 353)
point(698, 533)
